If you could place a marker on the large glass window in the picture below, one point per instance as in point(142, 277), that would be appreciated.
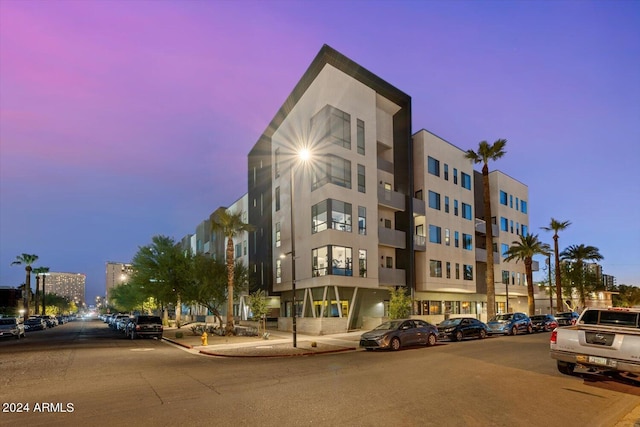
point(466, 180)
point(319, 217)
point(466, 211)
point(335, 125)
point(360, 125)
point(467, 241)
point(362, 220)
point(334, 170)
point(335, 260)
point(434, 200)
point(276, 162)
point(504, 224)
point(362, 262)
point(523, 206)
point(340, 216)
point(278, 270)
point(446, 204)
point(435, 268)
point(361, 179)
point(503, 198)
point(278, 235)
point(433, 165)
point(435, 234)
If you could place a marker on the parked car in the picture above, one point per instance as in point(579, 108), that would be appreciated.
point(459, 328)
point(145, 326)
point(10, 327)
point(567, 318)
point(118, 318)
point(121, 323)
point(35, 324)
point(543, 322)
point(400, 333)
point(510, 324)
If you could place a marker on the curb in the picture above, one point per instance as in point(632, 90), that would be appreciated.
point(311, 353)
point(190, 347)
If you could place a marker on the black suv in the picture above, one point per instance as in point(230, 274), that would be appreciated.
point(145, 326)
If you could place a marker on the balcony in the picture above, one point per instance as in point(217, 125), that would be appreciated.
point(481, 227)
point(385, 165)
point(419, 208)
point(391, 199)
point(419, 243)
point(481, 256)
point(392, 238)
point(391, 277)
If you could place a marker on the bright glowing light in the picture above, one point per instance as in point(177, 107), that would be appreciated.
point(304, 154)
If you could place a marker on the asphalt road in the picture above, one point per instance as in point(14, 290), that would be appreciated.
point(81, 373)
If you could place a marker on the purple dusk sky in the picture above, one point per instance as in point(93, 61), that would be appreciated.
point(121, 120)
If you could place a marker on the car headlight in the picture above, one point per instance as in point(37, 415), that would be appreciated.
point(448, 330)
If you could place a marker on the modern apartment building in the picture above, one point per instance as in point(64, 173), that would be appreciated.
point(68, 285)
point(117, 273)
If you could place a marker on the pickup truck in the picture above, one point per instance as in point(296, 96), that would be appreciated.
point(602, 340)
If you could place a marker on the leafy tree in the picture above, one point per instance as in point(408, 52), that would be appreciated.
point(162, 270)
point(209, 284)
point(399, 304)
point(627, 296)
point(556, 226)
point(259, 307)
point(582, 280)
point(231, 225)
point(524, 250)
point(57, 304)
point(128, 297)
point(485, 153)
point(27, 260)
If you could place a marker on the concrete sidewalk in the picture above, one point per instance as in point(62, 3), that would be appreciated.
point(278, 344)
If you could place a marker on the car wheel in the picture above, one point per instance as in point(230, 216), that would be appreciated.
point(18, 336)
point(432, 340)
point(368, 348)
point(529, 329)
point(159, 337)
point(395, 344)
point(514, 330)
point(566, 368)
point(483, 334)
point(459, 336)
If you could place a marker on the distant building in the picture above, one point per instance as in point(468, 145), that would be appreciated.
point(117, 273)
point(10, 300)
point(68, 285)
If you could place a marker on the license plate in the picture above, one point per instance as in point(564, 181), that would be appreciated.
point(599, 360)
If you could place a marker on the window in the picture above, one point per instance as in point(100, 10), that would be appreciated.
point(468, 272)
point(433, 166)
point(362, 262)
point(511, 226)
point(525, 229)
point(455, 176)
point(276, 162)
point(277, 199)
point(517, 203)
point(335, 260)
point(448, 268)
point(335, 170)
point(360, 142)
point(361, 179)
point(518, 228)
point(435, 234)
point(457, 271)
point(434, 200)
point(523, 206)
point(278, 271)
point(447, 237)
point(238, 250)
point(467, 241)
point(446, 172)
point(504, 224)
point(362, 220)
point(435, 268)
point(511, 201)
point(503, 198)
point(335, 125)
point(419, 195)
point(455, 207)
point(466, 180)
point(505, 277)
point(446, 204)
point(278, 236)
point(340, 215)
point(456, 239)
point(387, 223)
point(504, 248)
point(389, 262)
point(319, 217)
point(466, 211)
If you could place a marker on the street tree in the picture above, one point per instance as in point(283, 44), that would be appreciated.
point(259, 307)
point(40, 272)
point(583, 281)
point(27, 260)
point(557, 226)
point(399, 303)
point(230, 225)
point(485, 153)
point(524, 250)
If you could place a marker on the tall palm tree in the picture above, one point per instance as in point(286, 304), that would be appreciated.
point(485, 153)
point(556, 226)
point(524, 250)
point(230, 225)
point(26, 260)
point(40, 271)
point(578, 254)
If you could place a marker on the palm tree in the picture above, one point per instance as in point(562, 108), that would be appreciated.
point(27, 260)
point(40, 271)
point(231, 225)
point(556, 226)
point(578, 254)
point(485, 153)
point(524, 250)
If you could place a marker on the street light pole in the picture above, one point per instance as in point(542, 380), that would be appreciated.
point(550, 292)
point(293, 261)
point(506, 288)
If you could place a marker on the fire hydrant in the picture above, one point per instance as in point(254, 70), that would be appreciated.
point(203, 337)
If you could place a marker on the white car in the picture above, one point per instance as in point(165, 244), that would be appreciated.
point(11, 327)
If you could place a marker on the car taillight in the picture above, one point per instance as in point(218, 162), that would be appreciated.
point(554, 337)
